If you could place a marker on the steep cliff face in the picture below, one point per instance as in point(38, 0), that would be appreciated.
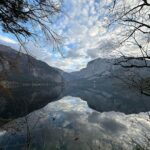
point(96, 67)
point(107, 86)
point(22, 67)
point(107, 67)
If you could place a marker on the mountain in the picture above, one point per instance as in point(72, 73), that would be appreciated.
point(108, 67)
point(38, 83)
point(66, 76)
point(109, 87)
point(20, 67)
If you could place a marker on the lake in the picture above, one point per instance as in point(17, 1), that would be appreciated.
point(72, 116)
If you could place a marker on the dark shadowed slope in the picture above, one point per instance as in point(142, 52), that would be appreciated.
point(22, 67)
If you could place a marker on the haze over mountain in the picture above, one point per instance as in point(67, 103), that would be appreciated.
point(109, 87)
point(110, 67)
point(22, 67)
point(26, 84)
point(104, 85)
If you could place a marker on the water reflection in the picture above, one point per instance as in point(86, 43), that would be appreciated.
point(70, 124)
point(20, 101)
point(103, 97)
point(108, 95)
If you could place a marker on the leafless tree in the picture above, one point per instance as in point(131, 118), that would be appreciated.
point(29, 20)
point(134, 16)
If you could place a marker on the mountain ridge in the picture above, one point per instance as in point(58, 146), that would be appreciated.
point(17, 64)
point(106, 67)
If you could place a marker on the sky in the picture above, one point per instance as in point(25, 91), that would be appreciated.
point(84, 26)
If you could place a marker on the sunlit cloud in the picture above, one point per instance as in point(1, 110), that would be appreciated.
point(7, 40)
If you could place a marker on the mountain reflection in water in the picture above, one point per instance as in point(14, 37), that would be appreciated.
point(20, 101)
point(59, 124)
point(23, 100)
point(108, 96)
point(70, 124)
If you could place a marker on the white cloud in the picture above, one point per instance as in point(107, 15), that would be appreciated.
point(94, 31)
point(88, 37)
point(85, 29)
point(7, 40)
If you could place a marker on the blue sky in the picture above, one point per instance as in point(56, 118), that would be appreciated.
point(84, 24)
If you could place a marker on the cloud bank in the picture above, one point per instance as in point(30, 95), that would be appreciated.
point(84, 24)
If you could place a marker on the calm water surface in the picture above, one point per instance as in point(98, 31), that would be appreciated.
point(23, 100)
